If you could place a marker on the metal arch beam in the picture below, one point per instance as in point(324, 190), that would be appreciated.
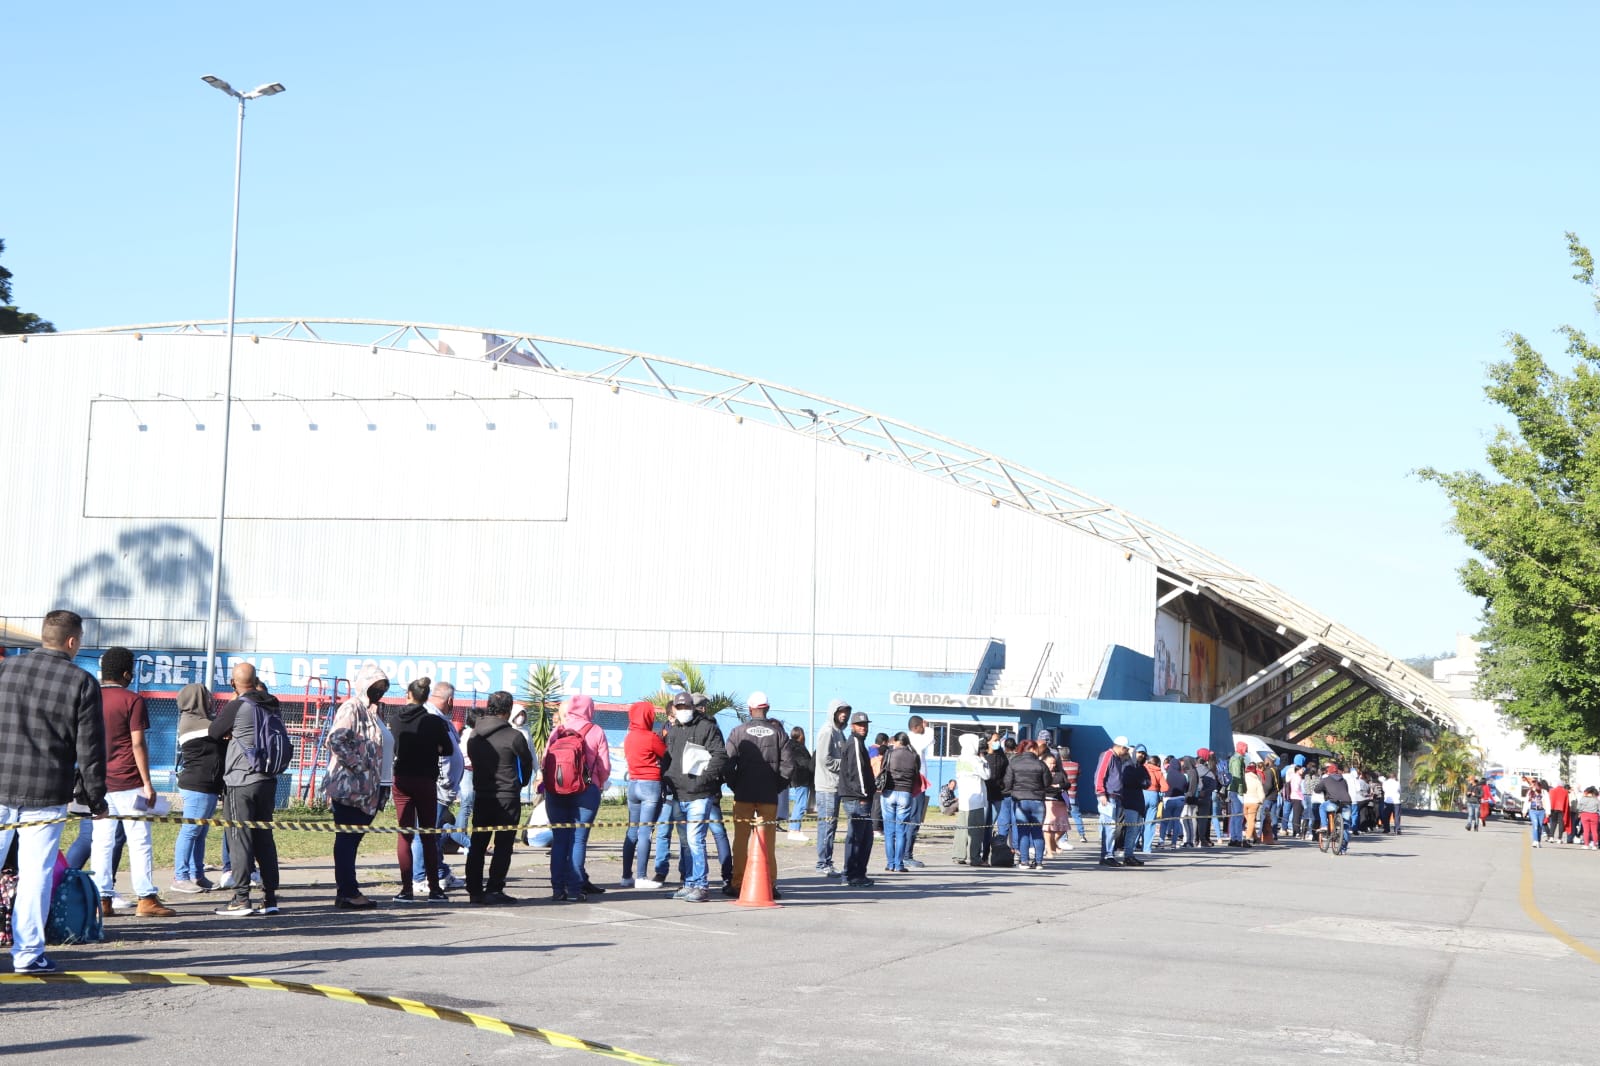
point(1284, 662)
point(981, 472)
point(1327, 712)
point(1257, 714)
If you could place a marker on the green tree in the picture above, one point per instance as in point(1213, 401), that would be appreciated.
point(1445, 768)
point(1534, 526)
point(541, 695)
point(13, 320)
point(1375, 731)
point(681, 675)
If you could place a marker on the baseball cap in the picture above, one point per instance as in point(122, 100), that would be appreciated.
point(683, 700)
point(859, 718)
point(757, 699)
point(1119, 742)
point(1203, 753)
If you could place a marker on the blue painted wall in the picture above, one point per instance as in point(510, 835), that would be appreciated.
point(1163, 728)
point(1130, 675)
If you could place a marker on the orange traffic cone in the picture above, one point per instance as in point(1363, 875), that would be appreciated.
point(756, 890)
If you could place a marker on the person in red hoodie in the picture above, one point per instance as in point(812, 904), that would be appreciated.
point(644, 750)
point(1556, 826)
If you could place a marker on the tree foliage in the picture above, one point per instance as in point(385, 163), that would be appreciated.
point(12, 319)
point(1445, 768)
point(1374, 732)
point(681, 675)
point(1534, 524)
point(541, 694)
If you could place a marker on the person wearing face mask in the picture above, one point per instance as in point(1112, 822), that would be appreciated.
point(696, 754)
point(829, 758)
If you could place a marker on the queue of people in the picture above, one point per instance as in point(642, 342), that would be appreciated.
point(1015, 803)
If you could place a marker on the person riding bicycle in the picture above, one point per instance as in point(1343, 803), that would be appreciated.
point(1334, 791)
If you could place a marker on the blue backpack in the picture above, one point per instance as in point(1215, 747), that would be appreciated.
point(75, 911)
point(271, 750)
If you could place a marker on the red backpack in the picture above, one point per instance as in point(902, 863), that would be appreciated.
point(566, 763)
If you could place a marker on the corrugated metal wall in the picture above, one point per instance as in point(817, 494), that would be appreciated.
point(678, 519)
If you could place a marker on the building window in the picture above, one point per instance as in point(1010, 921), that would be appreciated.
point(946, 735)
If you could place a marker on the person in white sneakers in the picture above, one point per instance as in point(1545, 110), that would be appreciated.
point(129, 789)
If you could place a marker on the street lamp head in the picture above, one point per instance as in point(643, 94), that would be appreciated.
point(265, 90)
point(218, 84)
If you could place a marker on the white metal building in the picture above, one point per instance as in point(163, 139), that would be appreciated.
point(413, 490)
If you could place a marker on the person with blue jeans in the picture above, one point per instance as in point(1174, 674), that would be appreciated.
point(452, 771)
point(857, 786)
point(1333, 791)
point(670, 819)
point(1177, 782)
point(825, 768)
point(566, 883)
point(1026, 782)
point(1236, 787)
point(1533, 805)
point(800, 779)
point(899, 803)
point(577, 715)
point(1152, 799)
point(696, 755)
point(922, 742)
point(199, 786)
point(51, 718)
point(644, 750)
point(1108, 774)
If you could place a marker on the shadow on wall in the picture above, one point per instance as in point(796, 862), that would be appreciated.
point(163, 562)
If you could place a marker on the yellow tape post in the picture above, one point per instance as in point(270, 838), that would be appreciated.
point(342, 995)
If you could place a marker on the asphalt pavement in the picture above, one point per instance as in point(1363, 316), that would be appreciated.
point(1438, 946)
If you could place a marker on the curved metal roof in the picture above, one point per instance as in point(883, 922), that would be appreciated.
point(1322, 641)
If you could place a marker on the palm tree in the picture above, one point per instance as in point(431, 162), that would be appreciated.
point(541, 694)
point(1449, 763)
point(681, 675)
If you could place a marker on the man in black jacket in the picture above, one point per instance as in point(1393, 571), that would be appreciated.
point(759, 765)
point(502, 763)
point(696, 755)
point(856, 789)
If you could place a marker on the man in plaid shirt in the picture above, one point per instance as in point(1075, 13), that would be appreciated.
point(50, 721)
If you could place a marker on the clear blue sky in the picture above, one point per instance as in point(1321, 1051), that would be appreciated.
point(1237, 268)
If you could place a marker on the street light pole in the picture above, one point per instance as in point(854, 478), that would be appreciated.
point(270, 89)
point(816, 446)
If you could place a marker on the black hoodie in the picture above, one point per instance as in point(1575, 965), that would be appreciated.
point(856, 779)
point(420, 739)
point(502, 762)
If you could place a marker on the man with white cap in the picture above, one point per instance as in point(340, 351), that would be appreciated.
point(829, 758)
point(759, 765)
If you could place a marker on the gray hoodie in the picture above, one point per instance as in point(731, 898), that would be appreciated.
point(830, 755)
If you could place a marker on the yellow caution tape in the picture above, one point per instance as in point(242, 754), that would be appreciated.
point(342, 995)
